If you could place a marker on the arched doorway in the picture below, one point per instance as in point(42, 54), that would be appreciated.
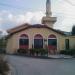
point(24, 41)
point(38, 41)
point(52, 44)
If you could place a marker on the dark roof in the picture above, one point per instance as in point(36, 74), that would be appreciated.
point(66, 33)
point(32, 26)
point(17, 28)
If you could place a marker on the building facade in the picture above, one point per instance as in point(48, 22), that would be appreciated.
point(39, 36)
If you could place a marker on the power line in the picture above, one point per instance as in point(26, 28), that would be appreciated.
point(70, 2)
point(10, 6)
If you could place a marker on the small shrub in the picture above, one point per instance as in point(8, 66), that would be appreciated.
point(42, 51)
point(3, 67)
point(33, 51)
point(68, 52)
point(38, 52)
point(22, 51)
point(2, 51)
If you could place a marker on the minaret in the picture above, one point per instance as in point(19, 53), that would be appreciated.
point(48, 8)
point(48, 20)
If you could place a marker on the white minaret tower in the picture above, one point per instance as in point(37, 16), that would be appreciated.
point(48, 8)
point(48, 20)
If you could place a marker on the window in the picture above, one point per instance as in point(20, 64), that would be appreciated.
point(52, 42)
point(23, 41)
point(67, 43)
point(38, 41)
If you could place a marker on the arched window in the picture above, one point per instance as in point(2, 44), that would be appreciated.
point(52, 36)
point(38, 41)
point(52, 42)
point(24, 41)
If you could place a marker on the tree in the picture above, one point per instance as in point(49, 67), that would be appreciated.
point(3, 39)
point(73, 30)
point(1, 34)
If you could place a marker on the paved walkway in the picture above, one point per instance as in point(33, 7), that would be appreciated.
point(33, 66)
point(60, 56)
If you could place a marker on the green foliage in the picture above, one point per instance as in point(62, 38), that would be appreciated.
point(2, 51)
point(23, 51)
point(68, 52)
point(43, 51)
point(38, 51)
point(3, 43)
point(3, 67)
point(73, 30)
point(33, 51)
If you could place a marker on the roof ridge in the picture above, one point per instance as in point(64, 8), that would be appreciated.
point(20, 26)
point(35, 26)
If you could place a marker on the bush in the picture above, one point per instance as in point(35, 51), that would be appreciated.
point(3, 67)
point(33, 51)
point(43, 51)
point(38, 51)
point(68, 52)
point(22, 51)
point(2, 51)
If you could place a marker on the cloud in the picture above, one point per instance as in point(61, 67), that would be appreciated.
point(1, 20)
point(28, 17)
point(65, 13)
point(3, 33)
point(9, 20)
point(21, 18)
point(62, 9)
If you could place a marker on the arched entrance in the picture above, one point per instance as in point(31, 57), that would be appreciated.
point(24, 41)
point(38, 41)
point(52, 44)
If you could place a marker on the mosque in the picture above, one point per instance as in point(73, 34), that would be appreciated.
point(27, 36)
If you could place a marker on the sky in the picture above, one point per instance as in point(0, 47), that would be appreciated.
point(17, 12)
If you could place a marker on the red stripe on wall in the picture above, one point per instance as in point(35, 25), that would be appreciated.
point(24, 46)
point(51, 47)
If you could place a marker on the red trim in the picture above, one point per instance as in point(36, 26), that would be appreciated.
point(38, 36)
point(24, 35)
point(52, 36)
point(51, 47)
point(24, 46)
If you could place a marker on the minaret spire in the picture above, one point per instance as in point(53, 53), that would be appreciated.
point(48, 19)
point(48, 8)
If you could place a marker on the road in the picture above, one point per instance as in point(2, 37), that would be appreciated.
point(32, 66)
